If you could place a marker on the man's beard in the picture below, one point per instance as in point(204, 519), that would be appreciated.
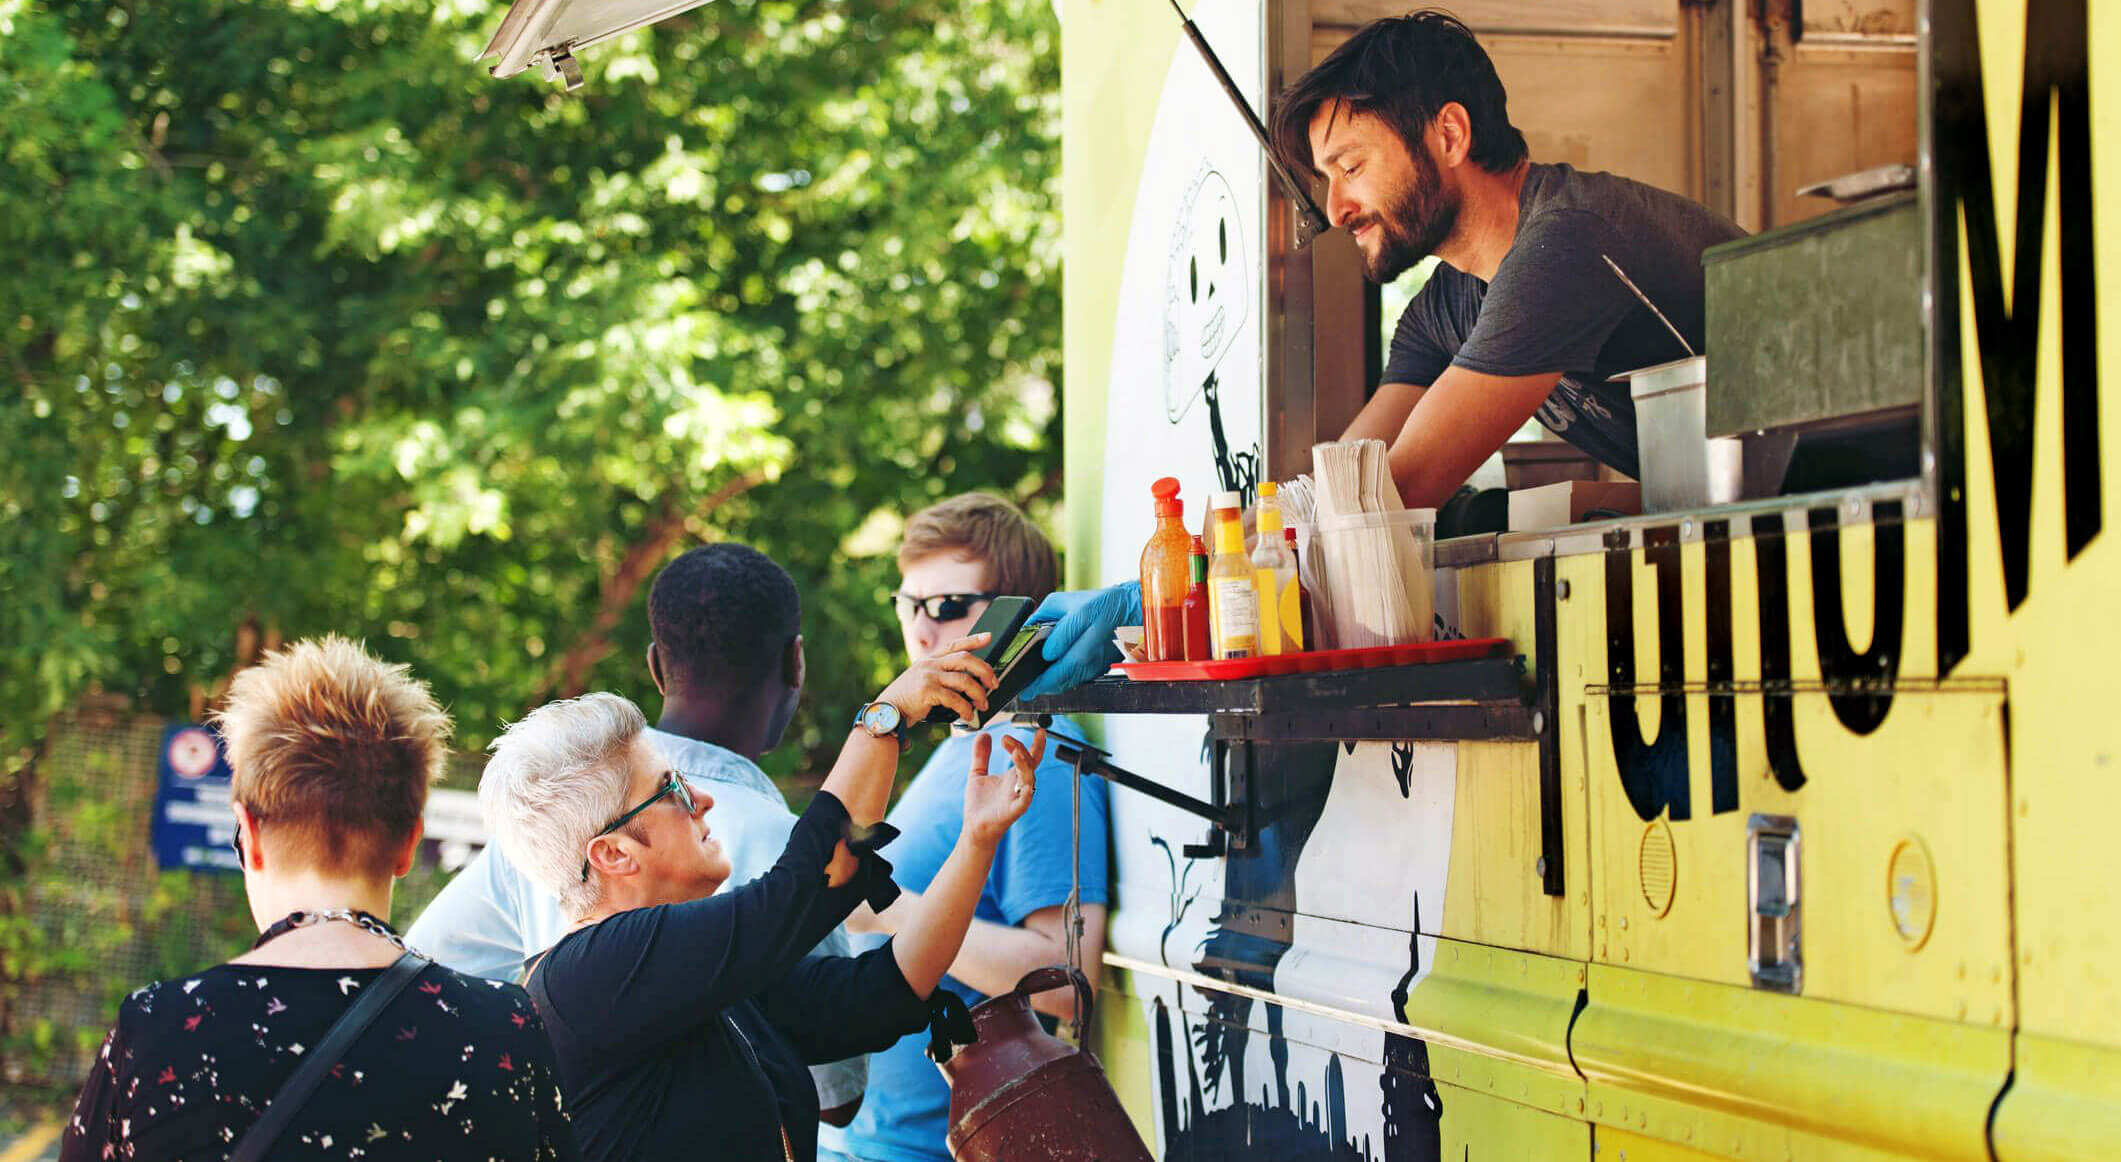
point(1412, 225)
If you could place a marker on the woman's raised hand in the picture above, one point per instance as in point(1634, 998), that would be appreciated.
point(953, 679)
point(993, 802)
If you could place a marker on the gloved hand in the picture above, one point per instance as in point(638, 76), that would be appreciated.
point(1080, 647)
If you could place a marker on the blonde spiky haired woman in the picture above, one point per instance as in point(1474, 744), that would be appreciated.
point(333, 751)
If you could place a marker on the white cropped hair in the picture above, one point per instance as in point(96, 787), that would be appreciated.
point(555, 778)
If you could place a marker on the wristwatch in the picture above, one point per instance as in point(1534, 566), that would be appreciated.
point(881, 719)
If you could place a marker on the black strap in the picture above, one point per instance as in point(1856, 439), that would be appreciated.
point(949, 1024)
point(258, 1142)
point(872, 871)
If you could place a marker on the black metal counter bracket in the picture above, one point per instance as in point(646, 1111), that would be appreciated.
point(1485, 699)
point(1546, 725)
point(1227, 820)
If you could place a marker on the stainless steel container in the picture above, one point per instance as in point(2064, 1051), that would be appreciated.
point(1681, 467)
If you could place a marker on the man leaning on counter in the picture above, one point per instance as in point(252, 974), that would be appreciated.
point(1549, 280)
point(1530, 309)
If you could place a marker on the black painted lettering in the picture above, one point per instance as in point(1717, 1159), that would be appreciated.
point(1654, 773)
point(2055, 103)
point(1860, 686)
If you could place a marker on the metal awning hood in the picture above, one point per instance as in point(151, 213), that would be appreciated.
point(555, 29)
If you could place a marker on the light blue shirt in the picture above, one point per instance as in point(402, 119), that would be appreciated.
point(491, 919)
point(905, 1116)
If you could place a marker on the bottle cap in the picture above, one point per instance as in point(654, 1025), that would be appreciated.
point(1231, 499)
point(1267, 489)
point(1165, 490)
point(1200, 547)
point(1288, 533)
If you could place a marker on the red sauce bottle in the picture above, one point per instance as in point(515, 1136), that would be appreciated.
point(1198, 646)
point(1303, 596)
point(1163, 573)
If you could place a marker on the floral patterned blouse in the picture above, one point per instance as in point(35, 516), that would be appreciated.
point(455, 1068)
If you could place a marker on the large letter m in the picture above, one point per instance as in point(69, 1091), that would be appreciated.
point(2055, 96)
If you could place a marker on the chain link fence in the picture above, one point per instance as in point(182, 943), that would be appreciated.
point(93, 917)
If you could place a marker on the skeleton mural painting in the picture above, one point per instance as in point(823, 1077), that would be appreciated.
point(1207, 297)
point(1185, 397)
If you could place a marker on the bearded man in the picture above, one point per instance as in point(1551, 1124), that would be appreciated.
point(1546, 278)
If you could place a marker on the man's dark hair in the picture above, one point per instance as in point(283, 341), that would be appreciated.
point(1404, 70)
point(722, 615)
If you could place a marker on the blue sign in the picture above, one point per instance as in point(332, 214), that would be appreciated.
point(194, 820)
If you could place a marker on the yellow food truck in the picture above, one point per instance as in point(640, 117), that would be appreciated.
point(1779, 832)
point(1775, 830)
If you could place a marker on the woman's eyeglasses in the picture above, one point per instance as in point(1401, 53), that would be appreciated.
point(939, 607)
point(675, 786)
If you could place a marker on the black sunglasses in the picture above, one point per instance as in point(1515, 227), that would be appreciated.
point(675, 786)
point(940, 606)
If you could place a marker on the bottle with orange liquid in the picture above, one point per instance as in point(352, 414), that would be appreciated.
point(1164, 576)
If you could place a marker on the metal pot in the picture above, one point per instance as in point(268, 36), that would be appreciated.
point(1020, 1094)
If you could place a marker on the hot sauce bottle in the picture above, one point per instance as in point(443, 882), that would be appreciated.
point(1307, 620)
point(1164, 576)
point(1199, 646)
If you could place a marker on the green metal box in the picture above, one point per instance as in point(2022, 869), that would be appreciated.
point(1818, 320)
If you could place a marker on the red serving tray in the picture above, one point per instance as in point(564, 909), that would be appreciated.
point(1314, 661)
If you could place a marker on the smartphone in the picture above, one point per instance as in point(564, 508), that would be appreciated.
point(1019, 664)
point(1004, 619)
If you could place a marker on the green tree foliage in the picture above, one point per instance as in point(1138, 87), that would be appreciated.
point(307, 323)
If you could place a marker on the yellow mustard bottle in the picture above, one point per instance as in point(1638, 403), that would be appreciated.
point(1233, 595)
point(1274, 576)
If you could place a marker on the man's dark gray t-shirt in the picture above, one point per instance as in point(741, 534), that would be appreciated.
point(1555, 304)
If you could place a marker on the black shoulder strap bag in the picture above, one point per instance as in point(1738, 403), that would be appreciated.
point(294, 1093)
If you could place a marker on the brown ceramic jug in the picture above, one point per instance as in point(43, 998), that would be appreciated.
point(1020, 1094)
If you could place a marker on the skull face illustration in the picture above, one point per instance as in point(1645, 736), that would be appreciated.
point(1206, 290)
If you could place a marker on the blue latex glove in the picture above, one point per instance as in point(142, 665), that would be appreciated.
point(1080, 647)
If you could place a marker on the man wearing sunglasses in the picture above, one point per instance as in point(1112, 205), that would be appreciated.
point(728, 660)
point(956, 557)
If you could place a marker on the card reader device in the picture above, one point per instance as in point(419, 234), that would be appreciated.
point(1015, 650)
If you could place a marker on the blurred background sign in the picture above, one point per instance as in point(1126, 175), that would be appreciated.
point(193, 821)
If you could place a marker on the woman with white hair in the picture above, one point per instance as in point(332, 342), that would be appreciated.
point(683, 1016)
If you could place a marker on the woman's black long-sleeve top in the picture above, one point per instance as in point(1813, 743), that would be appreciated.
point(683, 1030)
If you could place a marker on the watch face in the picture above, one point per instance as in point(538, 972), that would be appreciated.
point(880, 718)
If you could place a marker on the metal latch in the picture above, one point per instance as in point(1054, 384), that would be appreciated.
point(1774, 886)
point(559, 65)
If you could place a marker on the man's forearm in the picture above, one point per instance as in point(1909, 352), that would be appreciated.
point(996, 956)
point(1385, 414)
point(934, 924)
point(1461, 420)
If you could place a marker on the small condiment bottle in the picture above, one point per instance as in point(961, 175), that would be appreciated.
point(1163, 573)
point(1274, 575)
point(1199, 645)
point(1233, 596)
point(1305, 618)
